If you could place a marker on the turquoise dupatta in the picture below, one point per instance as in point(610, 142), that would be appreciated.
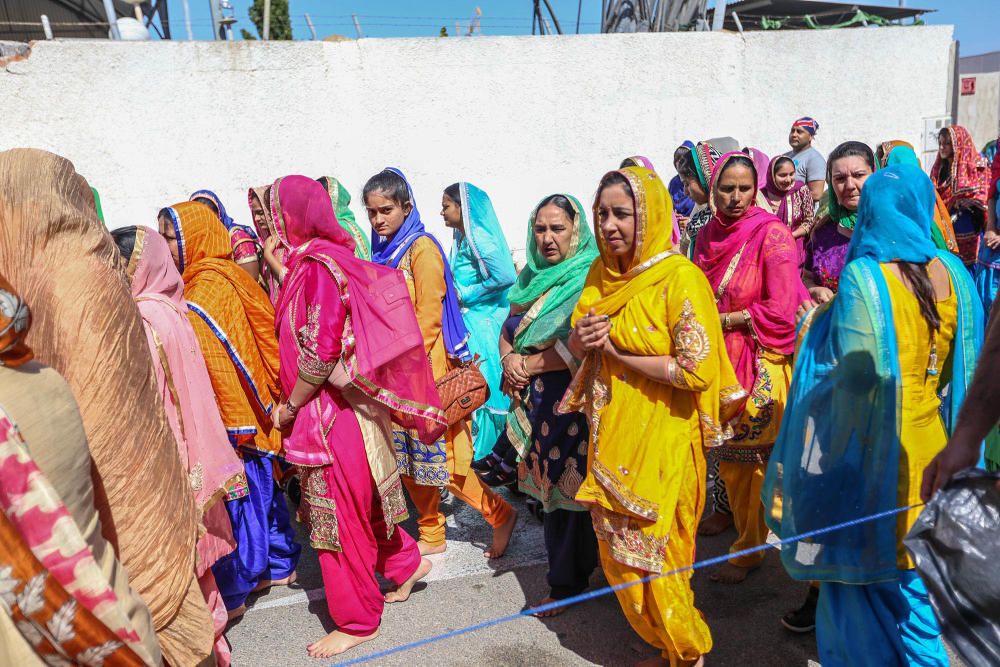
point(837, 455)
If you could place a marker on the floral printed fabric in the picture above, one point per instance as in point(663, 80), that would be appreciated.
point(50, 583)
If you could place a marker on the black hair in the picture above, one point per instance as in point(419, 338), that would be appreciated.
point(389, 184)
point(630, 162)
point(783, 158)
point(741, 159)
point(125, 240)
point(562, 202)
point(614, 178)
point(209, 203)
point(920, 280)
point(324, 181)
point(849, 149)
point(164, 213)
point(685, 166)
point(452, 193)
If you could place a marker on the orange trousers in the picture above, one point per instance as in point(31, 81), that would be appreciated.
point(469, 489)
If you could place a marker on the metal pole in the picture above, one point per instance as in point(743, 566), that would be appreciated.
point(109, 11)
point(579, 8)
point(213, 6)
point(187, 19)
point(267, 20)
point(357, 26)
point(553, 15)
point(312, 28)
point(719, 17)
point(46, 27)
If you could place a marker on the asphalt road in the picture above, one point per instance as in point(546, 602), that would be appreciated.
point(464, 589)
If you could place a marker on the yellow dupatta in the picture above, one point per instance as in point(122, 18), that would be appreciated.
point(660, 305)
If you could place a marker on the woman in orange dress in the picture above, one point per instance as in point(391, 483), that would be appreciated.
point(400, 240)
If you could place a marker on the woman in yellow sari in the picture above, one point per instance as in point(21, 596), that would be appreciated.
point(658, 389)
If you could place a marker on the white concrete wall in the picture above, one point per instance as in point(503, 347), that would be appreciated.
point(980, 113)
point(147, 123)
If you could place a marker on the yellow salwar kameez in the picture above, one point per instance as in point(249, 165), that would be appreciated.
point(426, 468)
point(922, 433)
point(645, 484)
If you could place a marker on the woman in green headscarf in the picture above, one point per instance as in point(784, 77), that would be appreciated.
point(537, 370)
point(341, 199)
point(849, 166)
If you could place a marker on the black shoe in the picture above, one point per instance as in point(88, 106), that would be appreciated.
point(294, 491)
point(498, 477)
point(485, 464)
point(803, 619)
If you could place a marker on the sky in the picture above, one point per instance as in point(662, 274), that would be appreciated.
point(975, 21)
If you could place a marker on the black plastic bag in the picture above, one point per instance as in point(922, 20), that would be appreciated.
point(955, 544)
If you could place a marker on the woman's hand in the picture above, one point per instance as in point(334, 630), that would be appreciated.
point(589, 334)
point(270, 245)
point(282, 417)
point(514, 371)
point(992, 239)
point(799, 232)
point(803, 310)
point(955, 457)
point(820, 294)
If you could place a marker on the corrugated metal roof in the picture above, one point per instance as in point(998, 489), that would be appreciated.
point(70, 18)
point(794, 12)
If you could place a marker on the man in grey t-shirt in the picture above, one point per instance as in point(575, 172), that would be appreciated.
point(810, 167)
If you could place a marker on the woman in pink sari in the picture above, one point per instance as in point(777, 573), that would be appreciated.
point(352, 362)
point(752, 263)
point(214, 470)
point(790, 200)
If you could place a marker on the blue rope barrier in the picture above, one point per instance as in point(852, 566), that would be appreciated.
point(607, 590)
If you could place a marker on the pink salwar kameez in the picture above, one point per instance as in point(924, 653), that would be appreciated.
point(340, 440)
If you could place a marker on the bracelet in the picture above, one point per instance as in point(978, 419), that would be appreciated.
point(291, 407)
point(504, 356)
point(725, 322)
point(524, 368)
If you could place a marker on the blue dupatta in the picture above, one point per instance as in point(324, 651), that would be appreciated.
point(482, 245)
point(390, 252)
point(837, 455)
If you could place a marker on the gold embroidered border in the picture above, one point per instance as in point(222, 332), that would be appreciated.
point(630, 501)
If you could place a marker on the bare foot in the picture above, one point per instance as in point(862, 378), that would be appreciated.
point(402, 592)
point(431, 549)
point(236, 613)
point(731, 574)
point(715, 524)
point(268, 583)
point(336, 643)
point(501, 537)
point(550, 612)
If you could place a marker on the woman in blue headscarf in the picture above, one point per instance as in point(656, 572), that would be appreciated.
point(483, 272)
point(400, 240)
point(864, 419)
point(243, 239)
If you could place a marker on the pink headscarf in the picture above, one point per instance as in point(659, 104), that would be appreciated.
point(213, 467)
point(765, 281)
point(760, 162)
point(381, 348)
point(772, 189)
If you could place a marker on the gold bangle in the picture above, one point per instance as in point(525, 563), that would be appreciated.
point(725, 322)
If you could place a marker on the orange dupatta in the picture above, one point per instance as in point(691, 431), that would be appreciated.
point(234, 322)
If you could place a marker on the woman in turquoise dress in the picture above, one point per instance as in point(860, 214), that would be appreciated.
point(880, 375)
point(483, 271)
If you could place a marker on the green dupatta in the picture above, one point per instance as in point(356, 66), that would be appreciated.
point(548, 292)
point(341, 199)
